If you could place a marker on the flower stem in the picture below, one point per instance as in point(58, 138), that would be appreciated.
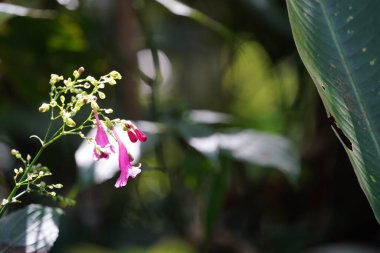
point(24, 175)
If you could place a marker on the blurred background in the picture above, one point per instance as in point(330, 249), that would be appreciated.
point(240, 156)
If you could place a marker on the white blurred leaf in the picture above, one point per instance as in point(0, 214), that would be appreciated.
point(208, 117)
point(31, 229)
point(252, 147)
point(8, 10)
point(181, 9)
point(177, 7)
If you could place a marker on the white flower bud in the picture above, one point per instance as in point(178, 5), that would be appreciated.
point(14, 152)
point(55, 78)
point(108, 111)
point(44, 107)
point(70, 122)
point(76, 74)
point(58, 186)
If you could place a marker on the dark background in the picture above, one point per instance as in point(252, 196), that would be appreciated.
point(238, 58)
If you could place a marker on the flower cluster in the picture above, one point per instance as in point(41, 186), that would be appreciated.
point(67, 99)
point(70, 95)
point(103, 148)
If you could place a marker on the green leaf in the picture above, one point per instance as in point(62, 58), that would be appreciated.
point(31, 229)
point(338, 42)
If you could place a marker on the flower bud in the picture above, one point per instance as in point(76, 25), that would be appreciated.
point(69, 84)
point(115, 75)
point(140, 135)
point(15, 152)
point(55, 78)
point(44, 107)
point(92, 80)
point(108, 123)
point(101, 95)
point(132, 136)
point(70, 122)
point(81, 70)
point(76, 74)
point(112, 81)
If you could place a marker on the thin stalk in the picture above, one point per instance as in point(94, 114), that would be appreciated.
point(154, 82)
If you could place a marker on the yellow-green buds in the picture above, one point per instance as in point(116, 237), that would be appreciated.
point(55, 79)
point(44, 107)
point(115, 75)
point(101, 95)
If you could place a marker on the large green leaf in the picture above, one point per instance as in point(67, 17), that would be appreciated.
point(33, 228)
point(338, 41)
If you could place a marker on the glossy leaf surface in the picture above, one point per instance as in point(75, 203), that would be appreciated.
point(338, 42)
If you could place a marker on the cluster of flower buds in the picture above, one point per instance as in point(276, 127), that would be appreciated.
point(71, 94)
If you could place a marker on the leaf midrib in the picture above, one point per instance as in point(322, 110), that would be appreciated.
point(351, 80)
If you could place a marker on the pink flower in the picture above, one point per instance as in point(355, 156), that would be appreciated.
point(132, 136)
point(126, 168)
point(103, 148)
point(140, 135)
point(134, 133)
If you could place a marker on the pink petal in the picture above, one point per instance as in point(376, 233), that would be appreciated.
point(140, 135)
point(132, 136)
point(134, 171)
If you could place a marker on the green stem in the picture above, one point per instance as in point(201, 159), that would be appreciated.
point(24, 175)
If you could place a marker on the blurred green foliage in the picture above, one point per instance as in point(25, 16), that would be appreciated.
point(232, 57)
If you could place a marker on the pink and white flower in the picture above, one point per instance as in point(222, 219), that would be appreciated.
point(126, 168)
point(102, 148)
